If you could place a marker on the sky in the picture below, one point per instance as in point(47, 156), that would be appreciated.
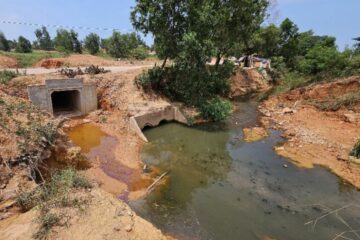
point(337, 18)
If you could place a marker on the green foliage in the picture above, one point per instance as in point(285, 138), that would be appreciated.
point(66, 41)
point(216, 109)
point(29, 59)
point(6, 76)
point(23, 45)
point(4, 44)
point(121, 45)
point(322, 59)
point(355, 152)
point(47, 222)
point(43, 41)
point(55, 193)
point(54, 190)
point(139, 53)
point(92, 43)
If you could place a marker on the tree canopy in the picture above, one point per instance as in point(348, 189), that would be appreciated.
point(92, 43)
point(23, 45)
point(4, 44)
point(67, 41)
point(43, 41)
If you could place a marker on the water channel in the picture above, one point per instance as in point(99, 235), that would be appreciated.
point(220, 187)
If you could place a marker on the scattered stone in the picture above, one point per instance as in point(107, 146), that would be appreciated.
point(128, 228)
point(86, 120)
point(287, 111)
point(117, 229)
point(285, 166)
point(352, 117)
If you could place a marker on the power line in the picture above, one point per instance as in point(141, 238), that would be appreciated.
point(64, 26)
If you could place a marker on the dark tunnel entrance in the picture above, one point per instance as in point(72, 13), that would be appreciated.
point(66, 103)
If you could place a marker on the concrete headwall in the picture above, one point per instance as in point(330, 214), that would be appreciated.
point(40, 95)
point(152, 119)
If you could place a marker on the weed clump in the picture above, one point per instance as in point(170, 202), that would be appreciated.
point(54, 195)
point(216, 109)
point(6, 76)
point(355, 152)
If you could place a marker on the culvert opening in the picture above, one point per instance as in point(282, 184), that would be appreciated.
point(66, 102)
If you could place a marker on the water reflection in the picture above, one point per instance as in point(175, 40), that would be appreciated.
point(220, 187)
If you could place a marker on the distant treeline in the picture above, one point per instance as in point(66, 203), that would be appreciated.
point(118, 45)
point(304, 52)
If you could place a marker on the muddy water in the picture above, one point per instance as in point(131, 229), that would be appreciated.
point(220, 187)
point(98, 148)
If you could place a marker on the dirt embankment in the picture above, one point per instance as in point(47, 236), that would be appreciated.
point(7, 62)
point(247, 81)
point(119, 98)
point(321, 124)
point(83, 60)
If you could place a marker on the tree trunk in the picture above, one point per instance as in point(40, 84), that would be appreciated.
point(218, 59)
point(164, 62)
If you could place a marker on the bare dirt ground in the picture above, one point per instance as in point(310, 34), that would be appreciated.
point(316, 136)
point(247, 81)
point(82, 60)
point(7, 62)
point(104, 217)
point(119, 98)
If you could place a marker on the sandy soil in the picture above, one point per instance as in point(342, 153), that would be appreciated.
point(81, 60)
point(316, 137)
point(7, 62)
point(254, 134)
point(103, 218)
point(247, 81)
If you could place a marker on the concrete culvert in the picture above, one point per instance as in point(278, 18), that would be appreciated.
point(66, 103)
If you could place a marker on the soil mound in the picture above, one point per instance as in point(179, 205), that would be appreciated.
point(7, 62)
point(51, 63)
point(247, 81)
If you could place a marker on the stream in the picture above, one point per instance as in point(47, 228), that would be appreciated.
point(220, 187)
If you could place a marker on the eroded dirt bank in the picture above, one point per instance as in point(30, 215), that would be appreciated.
point(321, 124)
point(119, 98)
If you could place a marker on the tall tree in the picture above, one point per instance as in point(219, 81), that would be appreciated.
point(165, 20)
point(43, 41)
point(23, 45)
point(4, 43)
point(66, 41)
point(92, 43)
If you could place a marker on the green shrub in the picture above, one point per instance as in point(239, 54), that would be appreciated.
point(6, 76)
point(47, 222)
point(355, 152)
point(216, 109)
point(139, 53)
point(23, 45)
point(4, 44)
point(92, 43)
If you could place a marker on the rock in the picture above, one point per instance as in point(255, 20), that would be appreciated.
point(354, 160)
point(128, 228)
point(117, 229)
point(86, 120)
point(352, 117)
point(285, 166)
point(287, 111)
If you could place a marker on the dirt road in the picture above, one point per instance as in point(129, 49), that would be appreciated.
point(39, 71)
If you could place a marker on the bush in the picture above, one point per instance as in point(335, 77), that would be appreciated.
point(23, 45)
point(216, 109)
point(6, 76)
point(4, 43)
point(139, 53)
point(66, 41)
point(92, 43)
point(355, 152)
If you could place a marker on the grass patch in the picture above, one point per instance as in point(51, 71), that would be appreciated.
point(335, 103)
point(6, 76)
point(29, 59)
point(355, 152)
point(54, 196)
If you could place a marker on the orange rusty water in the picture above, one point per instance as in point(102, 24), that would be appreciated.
point(98, 146)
